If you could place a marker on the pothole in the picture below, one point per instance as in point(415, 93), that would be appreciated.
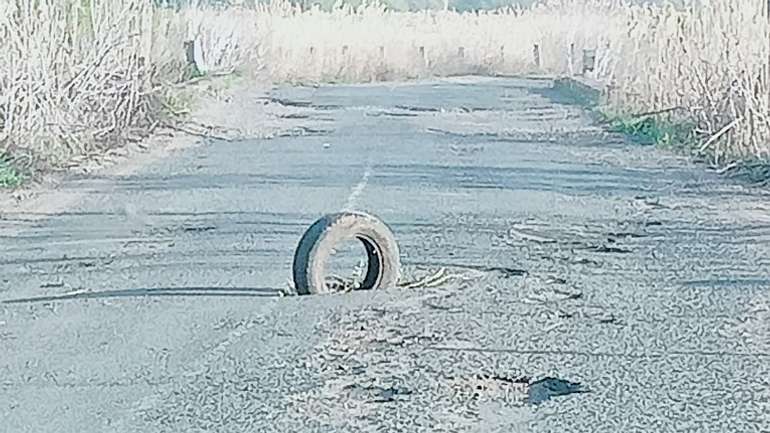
point(377, 393)
point(515, 389)
point(492, 387)
point(544, 389)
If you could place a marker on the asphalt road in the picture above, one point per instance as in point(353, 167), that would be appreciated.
point(151, 303)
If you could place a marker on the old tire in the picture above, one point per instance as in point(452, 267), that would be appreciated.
point(315, 247)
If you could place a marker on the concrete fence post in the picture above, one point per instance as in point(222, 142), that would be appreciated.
point(589, 60)
point(189, 52)
point(536, 55)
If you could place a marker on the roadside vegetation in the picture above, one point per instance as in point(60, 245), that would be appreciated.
point(9, 175)
point(79, 76)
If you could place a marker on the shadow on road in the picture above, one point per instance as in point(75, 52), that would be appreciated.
point(158, 291)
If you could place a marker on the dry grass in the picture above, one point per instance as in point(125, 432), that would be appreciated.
point(71, 75)
point(706, 65)
point(371, 43)
point(708, 61)
point(78, 75)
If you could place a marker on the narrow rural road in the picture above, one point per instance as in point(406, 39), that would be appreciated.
point(151, 303)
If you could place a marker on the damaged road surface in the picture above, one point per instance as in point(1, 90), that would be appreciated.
point(556, 278)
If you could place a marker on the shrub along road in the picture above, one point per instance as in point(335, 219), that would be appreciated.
point(151, 302)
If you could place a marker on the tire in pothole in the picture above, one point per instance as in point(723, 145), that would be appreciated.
point(318, 243)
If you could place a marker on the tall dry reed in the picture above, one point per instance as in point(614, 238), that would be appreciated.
point(80, 75)
point(71, 74)
point(708, 64)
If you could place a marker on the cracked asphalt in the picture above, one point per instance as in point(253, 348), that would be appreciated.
point(151, 302)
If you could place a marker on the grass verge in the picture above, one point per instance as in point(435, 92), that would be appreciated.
point(10, 176)
point(651, 130)
point(663, 130)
